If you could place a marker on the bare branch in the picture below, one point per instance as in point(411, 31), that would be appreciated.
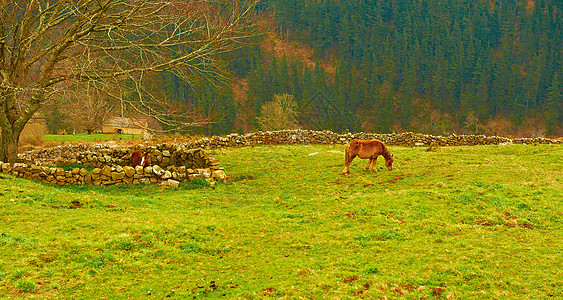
point(48, 47)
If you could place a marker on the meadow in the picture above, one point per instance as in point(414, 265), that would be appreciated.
point(83, 137)
point(480, 222)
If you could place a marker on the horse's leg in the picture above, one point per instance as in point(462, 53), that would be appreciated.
point(347, 160)
point(369, 162)
point(373, 169)
point(346, 153)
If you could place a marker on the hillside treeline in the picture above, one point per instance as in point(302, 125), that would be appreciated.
point(410, 63)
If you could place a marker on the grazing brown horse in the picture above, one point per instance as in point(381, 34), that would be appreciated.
point(140, 158)
point(367, 150)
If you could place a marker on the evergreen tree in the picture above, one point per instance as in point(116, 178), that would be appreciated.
point(553, 105)
point(465, 58)
point(407, 93)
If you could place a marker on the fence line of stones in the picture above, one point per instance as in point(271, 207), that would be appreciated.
point(174, 163)
point(170, 165)
point(112, 175)
point(328, 137)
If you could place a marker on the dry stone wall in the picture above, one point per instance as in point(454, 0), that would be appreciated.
point(110, 164)
point(328, 137)
point(175, 163)
point(164, 155)
point(111, 175)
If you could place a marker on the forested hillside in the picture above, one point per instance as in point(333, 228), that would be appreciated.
point(418, 65)
point(432, 66)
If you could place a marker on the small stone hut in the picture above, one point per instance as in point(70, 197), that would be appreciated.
point(125, 126)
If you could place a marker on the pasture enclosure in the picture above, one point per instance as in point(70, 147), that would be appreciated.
point(461, 222)
point(187, 160)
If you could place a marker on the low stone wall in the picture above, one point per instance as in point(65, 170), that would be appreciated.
point(164, 155)
point(170, 165)
point(328, 137)
point(112, 175)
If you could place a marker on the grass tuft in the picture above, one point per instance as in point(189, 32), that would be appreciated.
point(194, 184)
point(75, 166)
point(191, 248)
point(26, 286)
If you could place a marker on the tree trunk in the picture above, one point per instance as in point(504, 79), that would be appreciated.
point(13, 117)
point(9, 146)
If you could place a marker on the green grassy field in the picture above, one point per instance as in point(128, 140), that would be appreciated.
point(83, 137)
point(481, 222)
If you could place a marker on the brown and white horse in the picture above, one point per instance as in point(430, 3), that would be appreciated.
point(370, 149)
point(140, 158)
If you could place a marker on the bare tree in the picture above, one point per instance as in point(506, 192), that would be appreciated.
point(279, 113)
point(88, 109)
point(48, 48)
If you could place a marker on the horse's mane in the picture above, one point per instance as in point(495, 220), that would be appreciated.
point(386, 154)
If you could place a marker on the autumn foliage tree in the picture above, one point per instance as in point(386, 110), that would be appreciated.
point(48, 48)
point(279, 114)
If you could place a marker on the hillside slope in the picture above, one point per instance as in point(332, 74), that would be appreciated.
point(466, 67)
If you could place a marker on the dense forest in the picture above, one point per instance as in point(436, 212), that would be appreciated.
point(432, 66)
point(428, 65)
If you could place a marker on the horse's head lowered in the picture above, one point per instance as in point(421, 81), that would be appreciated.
point(389, 162)
point(140, 158)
